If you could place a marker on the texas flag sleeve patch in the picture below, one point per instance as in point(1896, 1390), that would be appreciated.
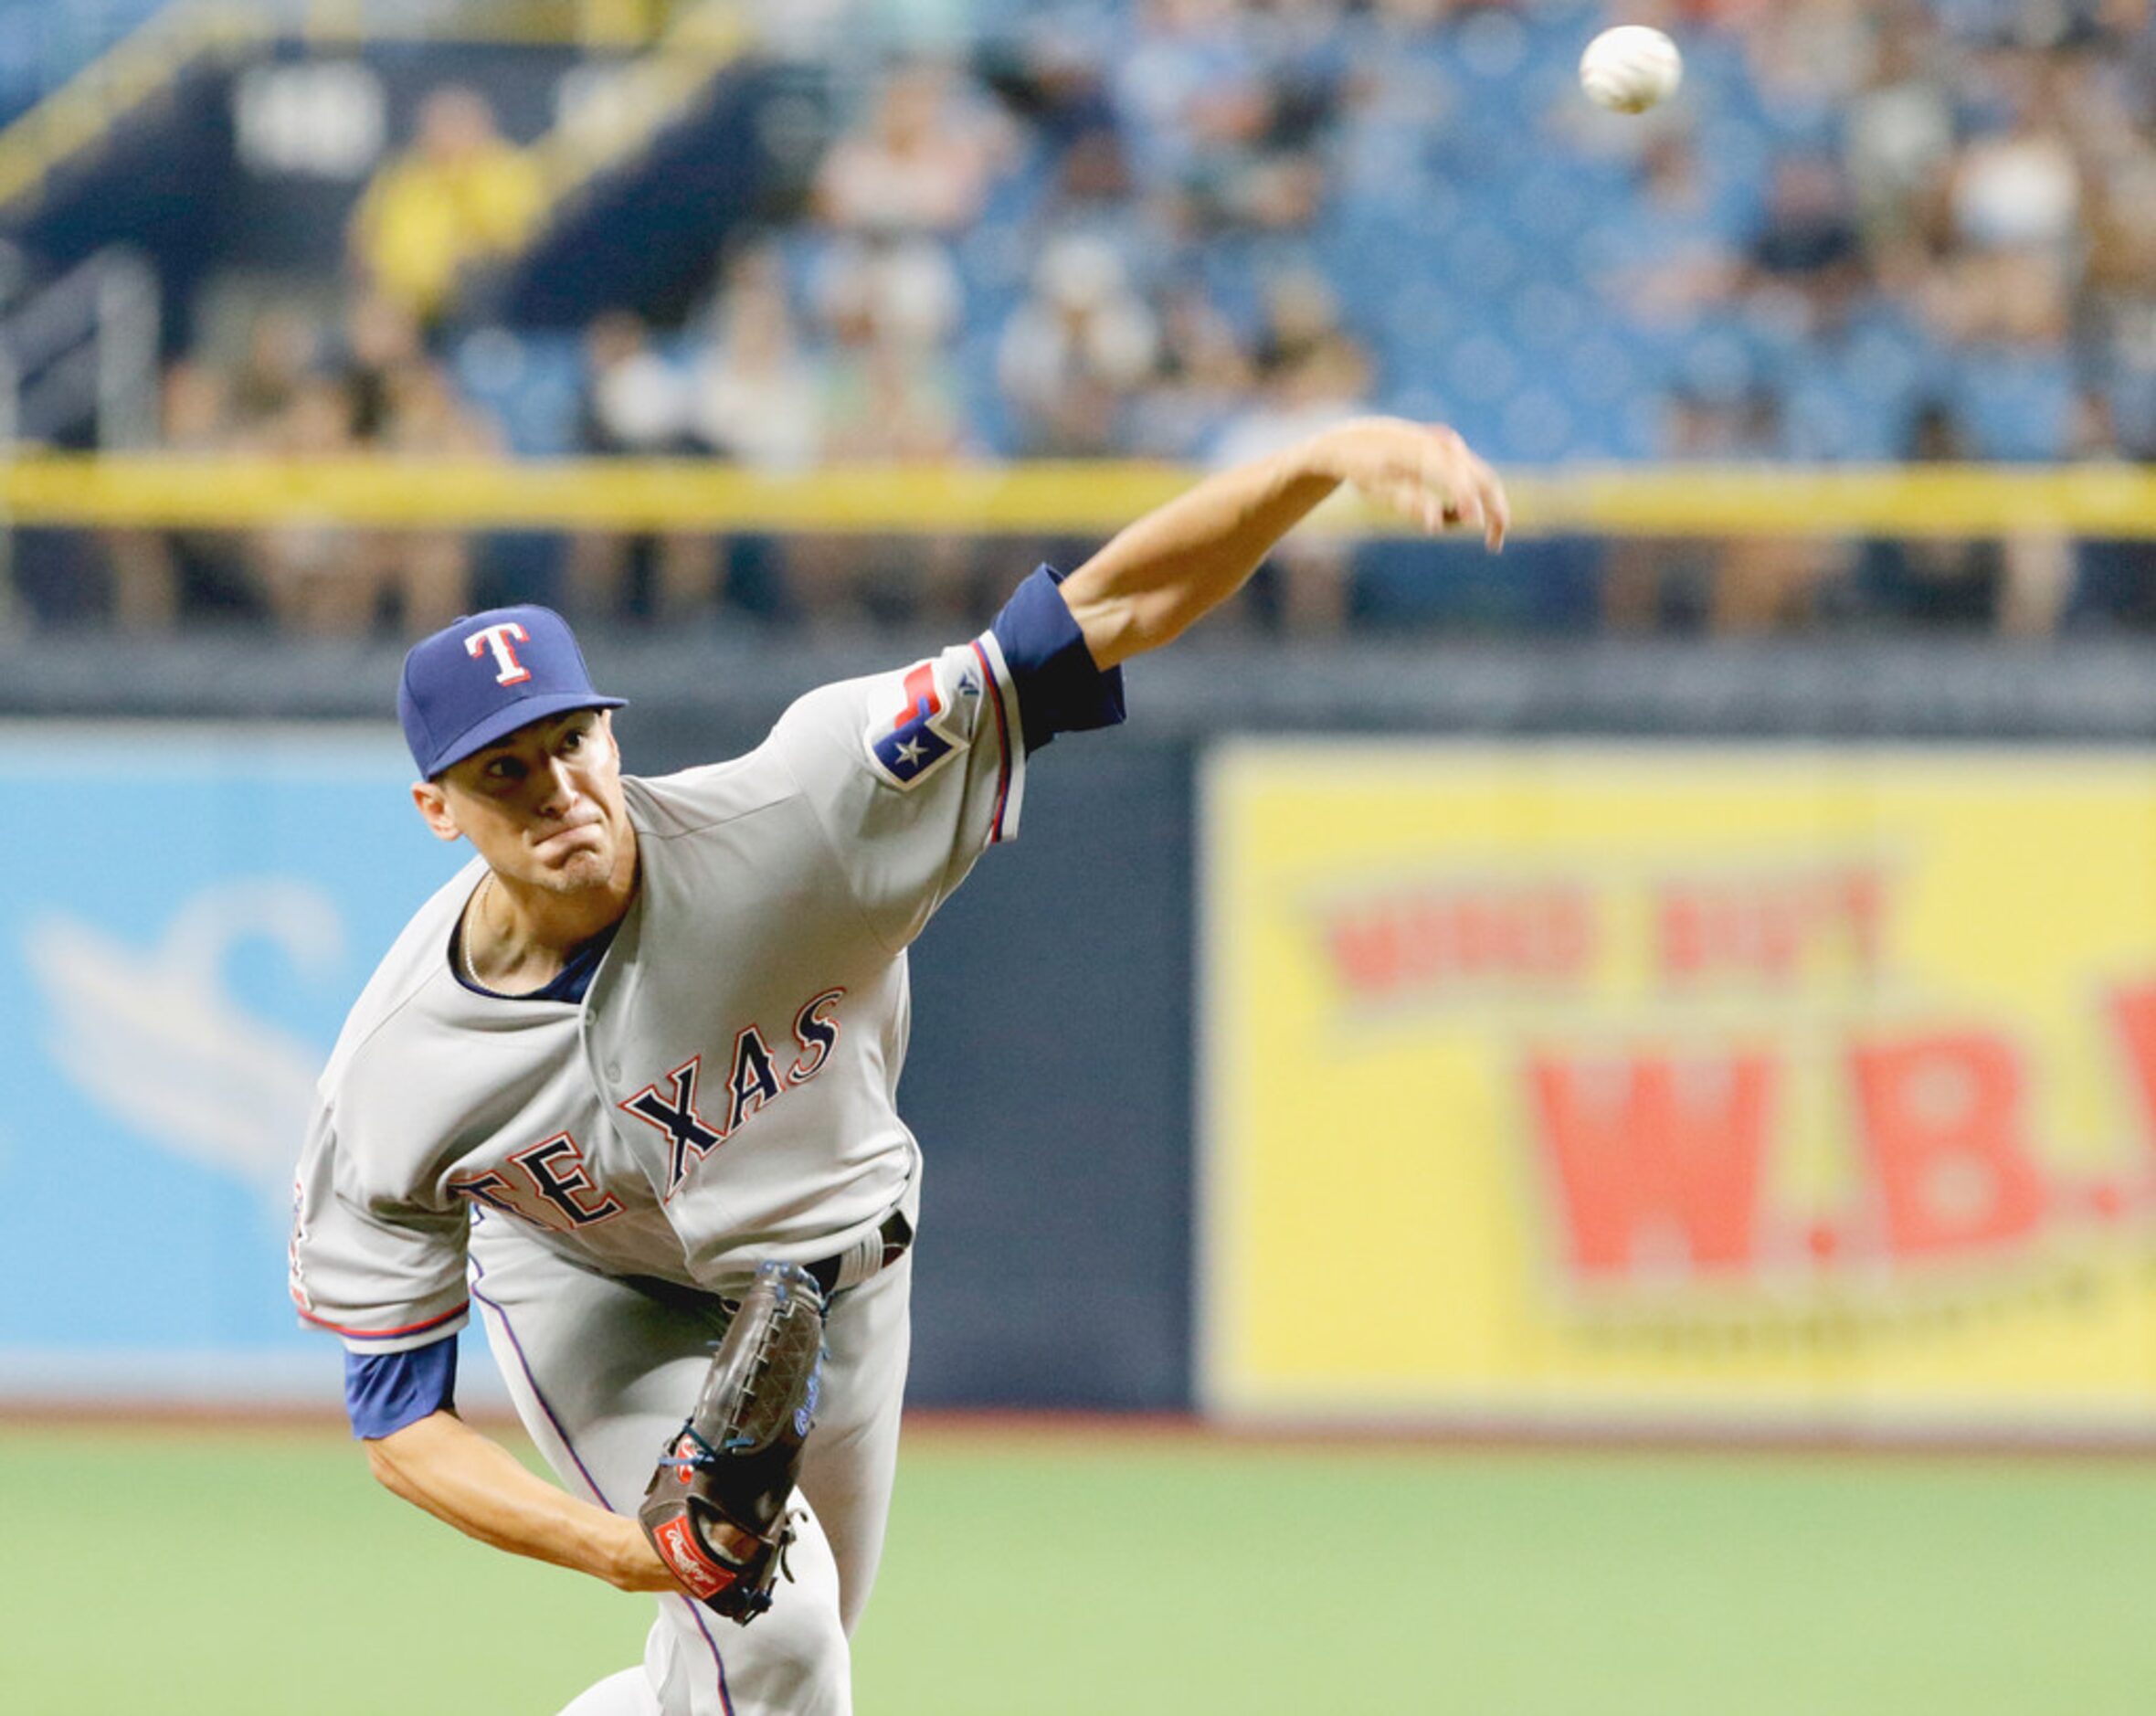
point(911, 742)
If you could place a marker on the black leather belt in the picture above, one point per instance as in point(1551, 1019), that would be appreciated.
point(896, 1233)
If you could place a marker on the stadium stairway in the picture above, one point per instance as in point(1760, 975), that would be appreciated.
point(43, 45)
point(147, 148)
point(650, 173)
point(60, 132)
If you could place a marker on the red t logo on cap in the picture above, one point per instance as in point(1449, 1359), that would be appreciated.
point(496, 637)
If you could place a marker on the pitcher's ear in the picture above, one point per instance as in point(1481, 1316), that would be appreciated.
point(433, 805)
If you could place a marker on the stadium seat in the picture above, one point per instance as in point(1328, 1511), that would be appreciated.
point(2012, 403)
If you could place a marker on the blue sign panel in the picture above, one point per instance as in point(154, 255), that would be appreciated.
point(190, 913)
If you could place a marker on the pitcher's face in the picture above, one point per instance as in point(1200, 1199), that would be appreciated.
point(543, 806)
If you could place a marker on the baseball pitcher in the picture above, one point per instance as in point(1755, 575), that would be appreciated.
point(628, 1084)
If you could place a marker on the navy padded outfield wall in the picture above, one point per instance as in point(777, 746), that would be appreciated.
point(1050, 1084)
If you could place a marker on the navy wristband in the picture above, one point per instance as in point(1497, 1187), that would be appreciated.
point(1060, 690)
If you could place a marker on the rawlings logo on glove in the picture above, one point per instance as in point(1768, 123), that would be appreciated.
point(716, 1508)
point(699, 1576)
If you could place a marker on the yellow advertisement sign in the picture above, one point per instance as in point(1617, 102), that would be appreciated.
point(1801, 1086)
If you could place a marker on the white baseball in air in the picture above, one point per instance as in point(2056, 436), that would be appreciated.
point(1631, 68)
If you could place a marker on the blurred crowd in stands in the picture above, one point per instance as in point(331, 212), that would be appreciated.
point(1196, 230)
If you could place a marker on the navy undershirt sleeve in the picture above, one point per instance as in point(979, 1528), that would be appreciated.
point(383, 1391)
point(1059, 688)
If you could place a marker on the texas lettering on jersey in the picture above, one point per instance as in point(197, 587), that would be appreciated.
point(546, 1182)
point(671, 1104)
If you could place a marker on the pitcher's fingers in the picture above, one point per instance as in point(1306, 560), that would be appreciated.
point(1450, 465)
point(1462, 501)
point(1496, 510)
point(1440, 458)
point(1472, 492)
point(1410, 499)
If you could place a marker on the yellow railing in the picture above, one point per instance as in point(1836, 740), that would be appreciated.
point(507, 22)
point(1093, 498)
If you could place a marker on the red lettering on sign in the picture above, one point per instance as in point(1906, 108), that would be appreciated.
point(1430, 940)
point(2133, 1016)
point(1765, 929)
point(1942, 1121)
point(1657, 1159)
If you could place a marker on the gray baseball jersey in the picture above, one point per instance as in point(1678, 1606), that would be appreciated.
point(721, 1090)
point(727, 1090)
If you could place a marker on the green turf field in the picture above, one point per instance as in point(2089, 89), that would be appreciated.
point(170, 1574)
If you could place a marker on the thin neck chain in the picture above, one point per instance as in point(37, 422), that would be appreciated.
point(471, 920)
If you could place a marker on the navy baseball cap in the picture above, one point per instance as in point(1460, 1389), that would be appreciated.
point(481, 677)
